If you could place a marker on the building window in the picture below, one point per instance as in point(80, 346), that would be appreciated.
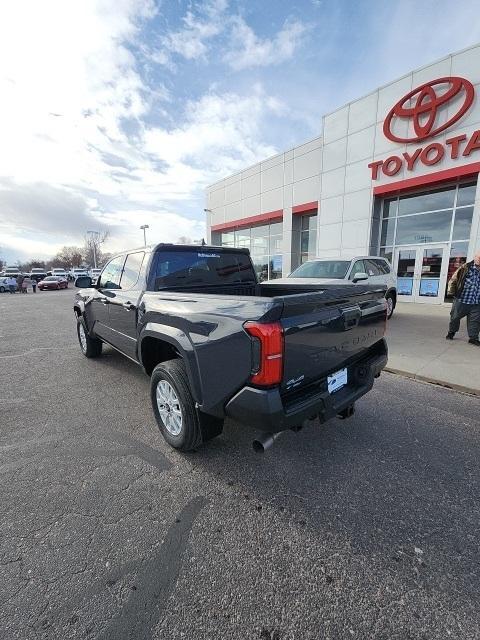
point(308, 238)
point(444, 215)
point(440, 216)
point(264, 243)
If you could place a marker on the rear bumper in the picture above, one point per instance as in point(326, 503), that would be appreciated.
point(265, 409)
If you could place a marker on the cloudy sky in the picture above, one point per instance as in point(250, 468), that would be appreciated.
point(117, 113)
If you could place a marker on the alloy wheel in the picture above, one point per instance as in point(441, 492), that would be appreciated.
point(169, 407)
point(83, 338)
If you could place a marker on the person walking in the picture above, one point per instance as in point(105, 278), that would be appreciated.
point(34, 285)
point(465, 287)
point(25, 283)
point(12, 284)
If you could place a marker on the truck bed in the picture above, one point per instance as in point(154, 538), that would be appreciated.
point(325, 326)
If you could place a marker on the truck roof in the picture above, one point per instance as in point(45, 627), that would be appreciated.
point(183, 247)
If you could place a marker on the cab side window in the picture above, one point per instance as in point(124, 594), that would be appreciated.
point(110, 276)
point(358, 267)
point(383, 266)
point(131, 270)
point(372, 268)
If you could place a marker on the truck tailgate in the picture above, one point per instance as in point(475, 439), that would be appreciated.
point(327, 330)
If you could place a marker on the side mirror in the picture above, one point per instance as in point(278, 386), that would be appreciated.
point(359, 277)
point(84, 282)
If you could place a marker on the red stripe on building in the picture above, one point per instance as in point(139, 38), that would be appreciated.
point(431, 178)
point(247, 222)
point(264, 217)
point(302, 208)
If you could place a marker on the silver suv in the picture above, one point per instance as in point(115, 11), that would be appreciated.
point(363, 269)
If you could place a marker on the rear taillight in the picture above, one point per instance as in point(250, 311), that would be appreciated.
point(267, 352)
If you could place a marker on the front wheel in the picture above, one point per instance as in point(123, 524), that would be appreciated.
point(91, 347)
point(390, 305)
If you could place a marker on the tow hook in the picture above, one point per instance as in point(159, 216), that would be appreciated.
point(347, 412)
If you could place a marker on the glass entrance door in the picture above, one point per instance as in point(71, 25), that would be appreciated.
point(421, 273)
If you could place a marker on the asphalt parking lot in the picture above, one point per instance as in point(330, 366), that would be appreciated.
point(365, 528)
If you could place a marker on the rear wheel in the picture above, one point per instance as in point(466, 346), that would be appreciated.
point(91, 347)
point(390, 305)
point(178, 419)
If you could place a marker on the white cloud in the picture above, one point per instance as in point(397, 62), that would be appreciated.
point(69, 85)
point(192, 40)
point(248, 50)
point(220, 134)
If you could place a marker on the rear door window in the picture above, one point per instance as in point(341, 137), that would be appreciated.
point(372, 268)
point(383, 266)
point(131, 270)
point(202, 267)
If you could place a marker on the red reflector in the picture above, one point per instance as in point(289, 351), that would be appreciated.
point(270, 336)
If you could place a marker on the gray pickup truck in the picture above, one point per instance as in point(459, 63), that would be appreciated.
point(218, 344)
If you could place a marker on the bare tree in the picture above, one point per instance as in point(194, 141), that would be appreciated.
point(93, 241)
point(184, 240)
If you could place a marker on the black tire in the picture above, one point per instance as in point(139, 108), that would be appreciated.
point(92, 347)
point(195, 428)
point(2, 289)
point(390, 298)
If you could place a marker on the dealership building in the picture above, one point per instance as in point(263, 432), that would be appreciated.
point(393, 173)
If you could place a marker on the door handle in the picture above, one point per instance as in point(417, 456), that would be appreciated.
point(129, 306)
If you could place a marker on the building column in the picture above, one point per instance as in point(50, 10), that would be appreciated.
point(474, 244)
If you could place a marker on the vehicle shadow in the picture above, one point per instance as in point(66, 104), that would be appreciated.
point(386, 489)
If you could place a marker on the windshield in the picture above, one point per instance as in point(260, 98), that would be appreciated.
point(336, 269)
point(52, 278)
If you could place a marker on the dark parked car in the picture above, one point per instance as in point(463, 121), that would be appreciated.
point(218, 344)
point(37, 275)
point(53, 282)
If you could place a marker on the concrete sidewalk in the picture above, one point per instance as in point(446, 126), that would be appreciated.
point(418, 349)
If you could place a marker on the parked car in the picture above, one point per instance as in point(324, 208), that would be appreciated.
point(12, 272)
point(37, 274)
point(94, 273)
point(4, 284)
point(217, 343)
point(53, 282)
point(58, 272)
point(73, 274)
point(361, 269)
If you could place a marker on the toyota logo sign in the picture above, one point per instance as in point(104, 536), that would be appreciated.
point(421, 106)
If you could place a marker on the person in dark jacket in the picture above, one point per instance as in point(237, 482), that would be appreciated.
point(465, 287)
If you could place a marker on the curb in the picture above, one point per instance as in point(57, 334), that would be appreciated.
point(436, 381)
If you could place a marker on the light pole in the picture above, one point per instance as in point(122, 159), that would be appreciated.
point(144, 226)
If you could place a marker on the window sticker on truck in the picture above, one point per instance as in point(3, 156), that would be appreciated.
point(208, 255)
